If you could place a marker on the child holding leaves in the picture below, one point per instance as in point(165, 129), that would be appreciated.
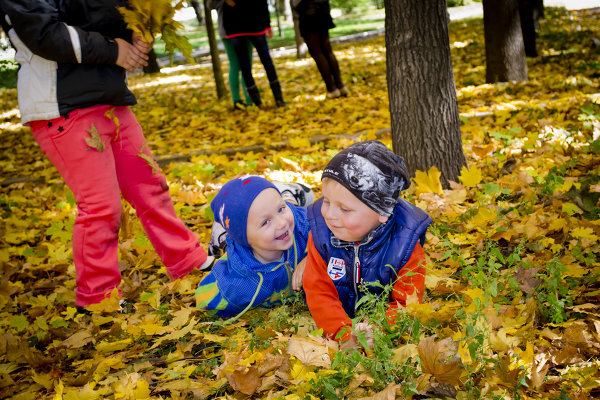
point(73, 93)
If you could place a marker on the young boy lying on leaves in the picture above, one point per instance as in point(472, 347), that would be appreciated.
point(362, 232)
point(266, 248)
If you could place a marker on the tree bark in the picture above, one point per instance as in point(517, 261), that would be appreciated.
point(301, 49)
point(421, 88)
point(214, 53)
point(198, 10)
point(276, 4)
point(530, 11)
point(504, 47)
point(152, 66)
point(285, 9)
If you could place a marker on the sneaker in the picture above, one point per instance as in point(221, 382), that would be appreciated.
point(217, 245)
point(208, 263)
point(343, 91)
point(125, 307)
point(333, 94)
point(239, 106)
point(296, 193)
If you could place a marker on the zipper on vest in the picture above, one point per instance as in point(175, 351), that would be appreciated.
point(356, 271)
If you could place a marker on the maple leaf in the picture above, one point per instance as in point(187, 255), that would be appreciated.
point(110, 114)
point(309, 352)
point(435, 361)
point(428, 182)
point(94, 140)
point(470, 177)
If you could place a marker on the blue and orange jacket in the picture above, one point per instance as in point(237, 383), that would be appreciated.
point(390, 254)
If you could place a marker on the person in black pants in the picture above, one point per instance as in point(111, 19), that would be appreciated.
point(315, 22)
point(249, 20)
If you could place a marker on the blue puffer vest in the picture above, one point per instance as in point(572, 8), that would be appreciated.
point(378, 257)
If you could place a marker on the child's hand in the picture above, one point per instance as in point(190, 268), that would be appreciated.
point(130, 57)
point(140, 44)
point(368, 331)
point(269, 33)
point(298, 274)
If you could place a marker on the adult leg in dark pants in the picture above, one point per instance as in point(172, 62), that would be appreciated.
point(320, 50)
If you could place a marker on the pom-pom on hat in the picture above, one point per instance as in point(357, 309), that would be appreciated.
point(231, 205)
point(372, 173)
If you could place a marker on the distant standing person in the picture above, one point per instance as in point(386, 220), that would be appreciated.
point(315, 22)
point(249, 21)
point(234, 65)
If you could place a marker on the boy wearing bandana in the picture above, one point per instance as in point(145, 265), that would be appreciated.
point(361, 232)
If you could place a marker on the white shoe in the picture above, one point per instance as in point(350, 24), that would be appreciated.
point(333, 94)
point(296, 193)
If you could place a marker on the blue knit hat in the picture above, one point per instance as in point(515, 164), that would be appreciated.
point(231, 205)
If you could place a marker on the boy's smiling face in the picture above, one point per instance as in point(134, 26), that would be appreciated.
point(348, 218)
point(270, 226)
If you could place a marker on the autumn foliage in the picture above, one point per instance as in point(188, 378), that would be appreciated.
point(511, 309)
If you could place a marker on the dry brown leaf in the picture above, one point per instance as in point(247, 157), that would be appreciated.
point(434, 361)
point(78, 340)
point(94, 140)
point(309, 352)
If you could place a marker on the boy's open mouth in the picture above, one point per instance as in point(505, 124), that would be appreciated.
point(285, 236)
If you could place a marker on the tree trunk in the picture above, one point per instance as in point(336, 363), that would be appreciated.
point(198, 9)
point(278, 14)
point(421, 88)
point(301, 49)
point(530, 11)
point(214, 53)
point(152, 66)
point(504, 47)
point(286, 9)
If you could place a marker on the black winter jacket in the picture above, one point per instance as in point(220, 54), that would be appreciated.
point(247, 17)
point(67, 54)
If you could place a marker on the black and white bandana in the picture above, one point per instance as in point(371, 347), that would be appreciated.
point(371, 172)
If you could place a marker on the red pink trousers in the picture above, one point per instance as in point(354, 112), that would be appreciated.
point(101, 153)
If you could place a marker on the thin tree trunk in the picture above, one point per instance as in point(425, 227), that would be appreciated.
point(526, 13)
point(276, 3)
point(504, 47)
point(421, 88)
point(152, 66)
point(286, 9)
point(198, 10)
point(301, 49)
point(214, 53)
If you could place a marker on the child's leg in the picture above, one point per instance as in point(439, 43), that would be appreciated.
point(89, 171)
point(246, 95)
point(262, 48)
point(234, 71)
point(240, 45)
point(146, 189)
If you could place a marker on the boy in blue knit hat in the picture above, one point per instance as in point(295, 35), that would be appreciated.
point(266, 248)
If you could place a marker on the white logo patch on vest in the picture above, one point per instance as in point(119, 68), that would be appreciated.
point(336, 269)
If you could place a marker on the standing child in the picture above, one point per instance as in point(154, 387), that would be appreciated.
point(73, 93)
point(362, 232)
point(266, 248)
point(249, 21)
point(234, 65)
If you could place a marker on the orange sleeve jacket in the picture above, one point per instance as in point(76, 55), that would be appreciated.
point(322, 296)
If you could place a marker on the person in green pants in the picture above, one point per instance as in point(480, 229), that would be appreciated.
point(234, 65)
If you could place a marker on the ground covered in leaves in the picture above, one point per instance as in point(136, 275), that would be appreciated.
point(511, 309)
